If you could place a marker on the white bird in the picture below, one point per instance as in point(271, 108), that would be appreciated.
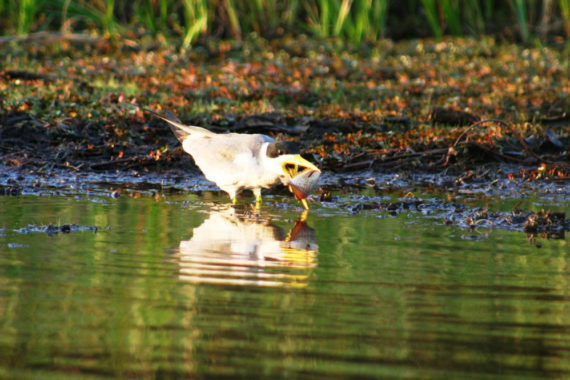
point(236, 162)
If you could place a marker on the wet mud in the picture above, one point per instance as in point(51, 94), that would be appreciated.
point(450, 200)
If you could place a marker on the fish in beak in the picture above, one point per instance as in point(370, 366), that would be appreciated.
point(302, 177)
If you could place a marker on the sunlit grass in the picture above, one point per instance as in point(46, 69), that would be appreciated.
point(27, 13)
point(355, 21)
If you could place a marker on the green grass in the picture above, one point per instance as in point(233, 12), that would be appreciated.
point(565, 11)
point(196, 20)
point(431, 12)
point(353, 21)
point(520, 12)
point(27, 13)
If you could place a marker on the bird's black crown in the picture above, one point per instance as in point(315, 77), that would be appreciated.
point(279, 148)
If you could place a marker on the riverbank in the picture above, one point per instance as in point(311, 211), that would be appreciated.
point(456, 115)
point(449, 105)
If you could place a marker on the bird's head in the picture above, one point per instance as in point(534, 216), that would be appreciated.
point(294, 171)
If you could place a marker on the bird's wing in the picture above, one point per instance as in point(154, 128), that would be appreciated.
point(180, 130)
point(225, 158)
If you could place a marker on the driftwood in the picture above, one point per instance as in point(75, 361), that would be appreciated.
point(450, 116)
point(51, 37)
point(127, 161)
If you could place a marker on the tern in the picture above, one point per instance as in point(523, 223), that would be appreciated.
point(236, 162)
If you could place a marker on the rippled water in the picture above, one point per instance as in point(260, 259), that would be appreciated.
point(185, 286)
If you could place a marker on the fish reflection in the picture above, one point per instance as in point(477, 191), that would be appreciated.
point(236, 247)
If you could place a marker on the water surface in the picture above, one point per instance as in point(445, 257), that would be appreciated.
point(185, 286)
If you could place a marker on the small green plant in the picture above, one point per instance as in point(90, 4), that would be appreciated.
point(520, 8)
point(195, 20)
point(27, 14)
point(474, 16)
point(354, 21)
point(451, 10)
point(153, 14)
point(368, 21)
point(108, 19)
point(430, 8)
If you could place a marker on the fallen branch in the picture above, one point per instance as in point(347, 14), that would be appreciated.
point(128, 160)
point(113, 162)
point(478, 124)
point(511, 130)
point(359, 164)
point(432, 152)
point(495, 153)
point(51, 37)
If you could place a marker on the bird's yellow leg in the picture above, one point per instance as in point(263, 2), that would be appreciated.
point(258, 201)
point(304, 203)
point(234, 200)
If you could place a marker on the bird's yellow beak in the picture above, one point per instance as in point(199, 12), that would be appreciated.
point(296, 167)
point(297, 164)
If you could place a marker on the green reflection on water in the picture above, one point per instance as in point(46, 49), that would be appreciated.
point(372, 296)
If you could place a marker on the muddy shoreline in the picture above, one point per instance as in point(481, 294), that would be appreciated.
point(143, 143)
point(453, 107)
point(390, 125)
point(448, 199)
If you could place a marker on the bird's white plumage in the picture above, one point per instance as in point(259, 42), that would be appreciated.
point(236, 161)
point(233, 161)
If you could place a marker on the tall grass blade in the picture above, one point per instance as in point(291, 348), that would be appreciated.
point(319, 14)
point(271, 12)
point(545, 20)
point(89, 11)
point(146, 16)
point(354, 21)
point(233, 18)
point(430, 9)
point(520, 12)
point(290, 12)
point(379, 16)
point(452, 15)
point(196, 20)
point(341, 16)
point(153, 14)
point(325, 19)
point(474, 17)
point(27, 12)
point(565, 10)
point(360, 26)
point(108, 20)
point(489, 6)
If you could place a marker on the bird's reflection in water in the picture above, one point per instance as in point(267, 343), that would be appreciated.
point(236, 247)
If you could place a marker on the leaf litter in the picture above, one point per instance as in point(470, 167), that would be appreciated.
point(472, 111)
